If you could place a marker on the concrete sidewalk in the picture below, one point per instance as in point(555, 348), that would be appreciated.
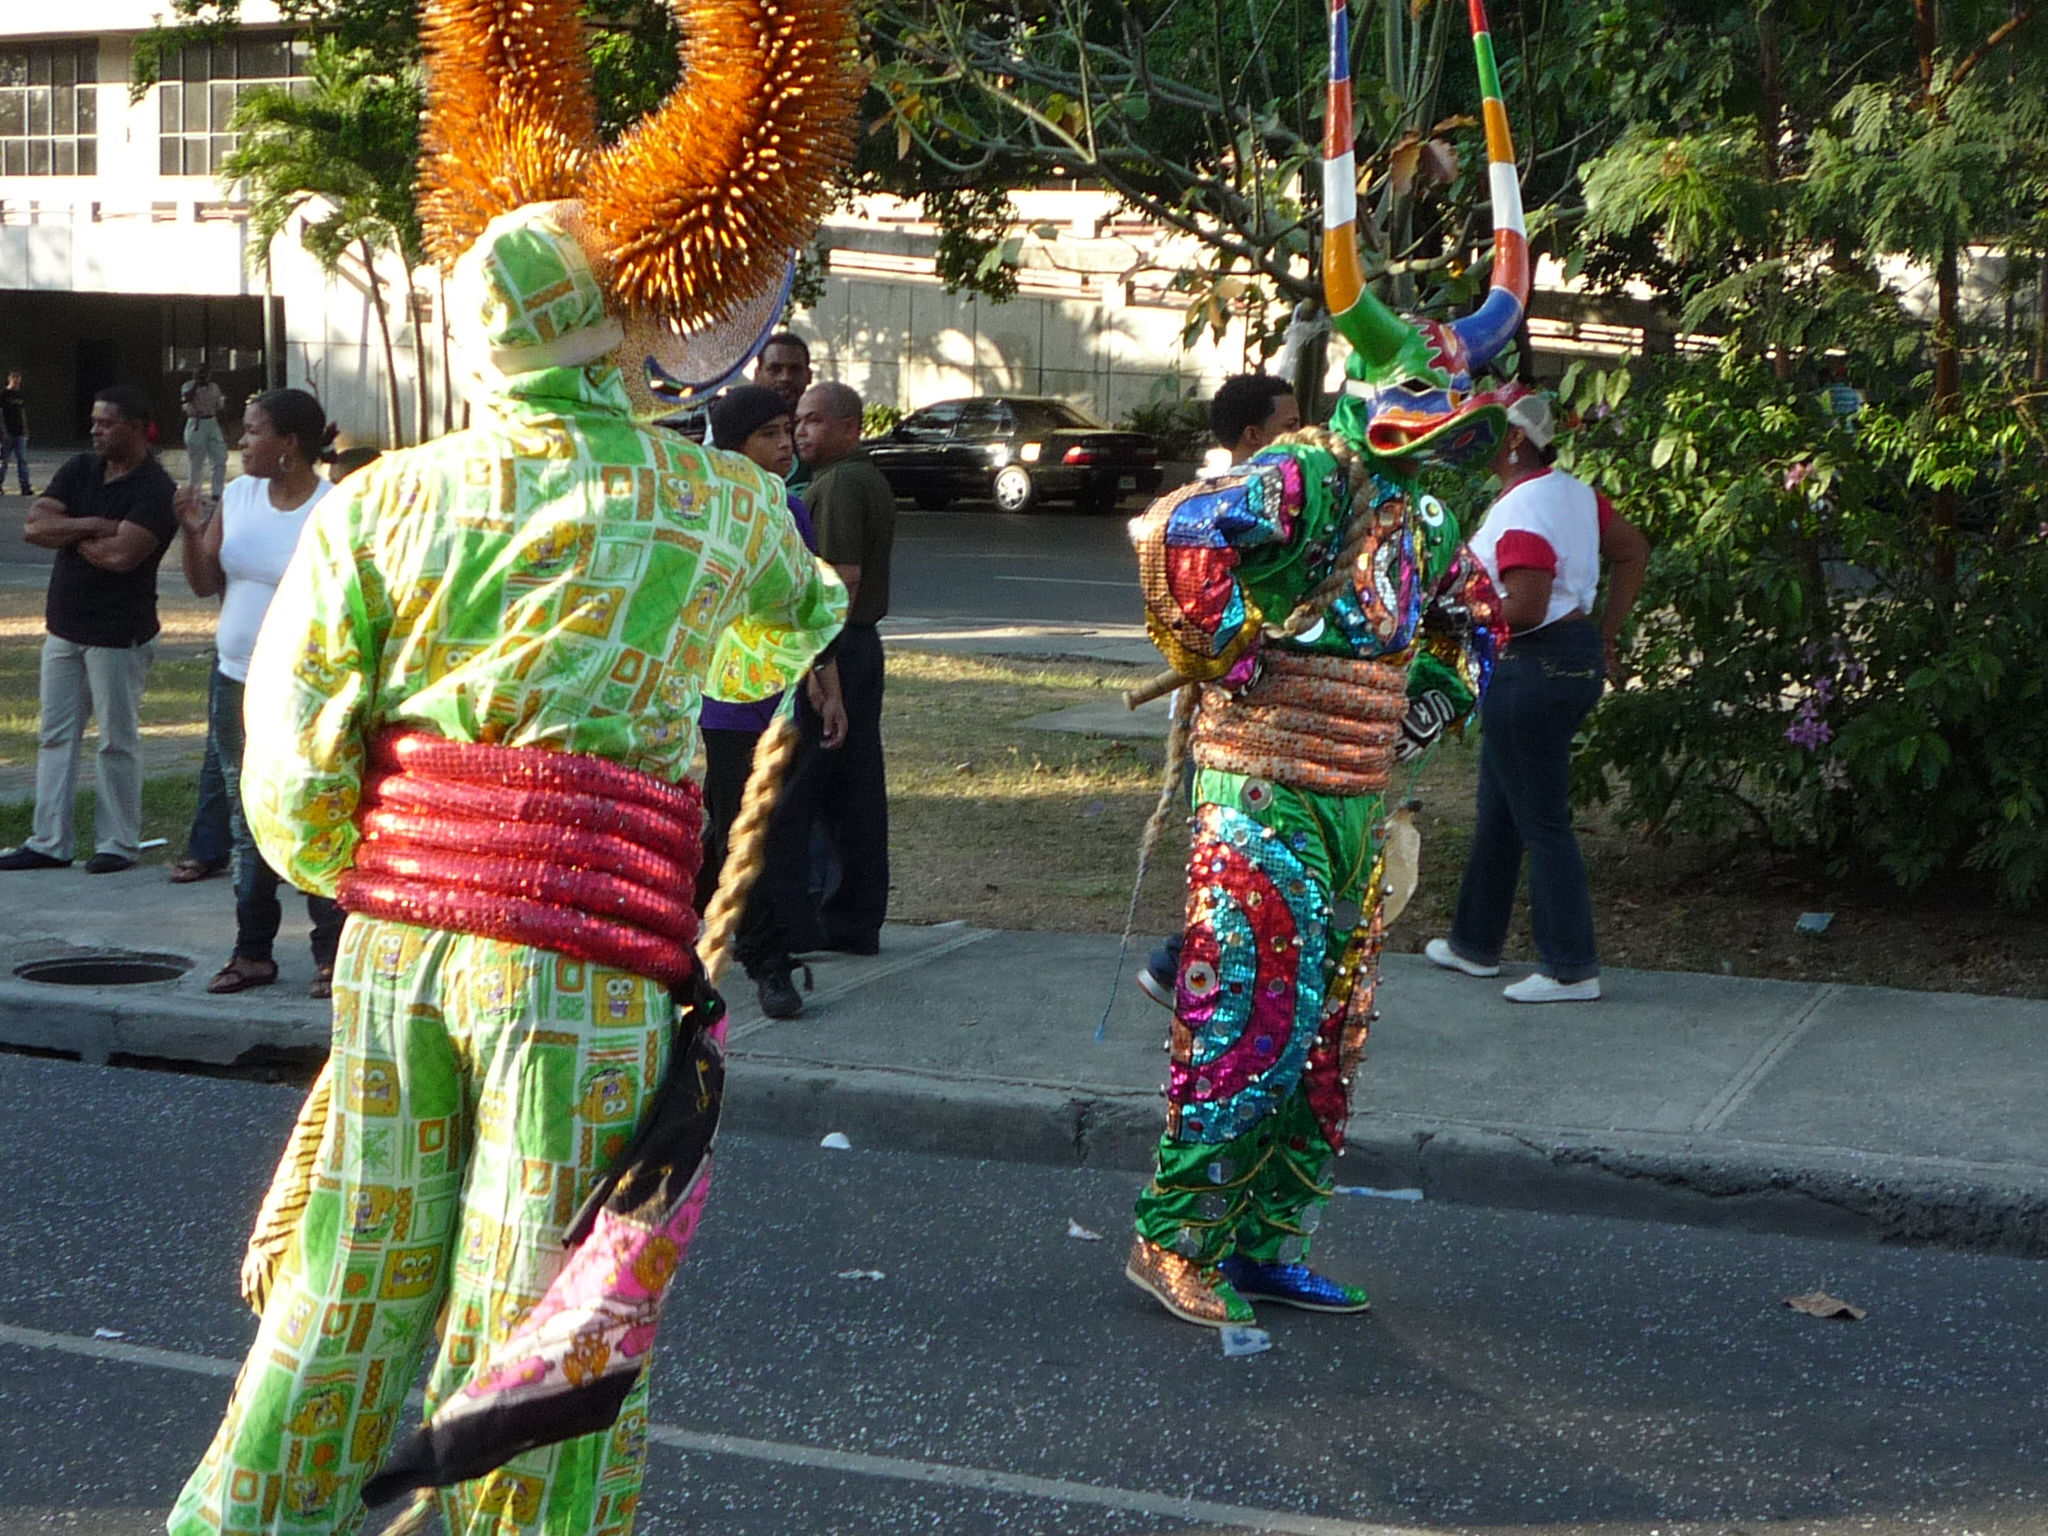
point(1858, 1111)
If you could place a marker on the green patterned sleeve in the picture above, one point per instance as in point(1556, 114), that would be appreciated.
point(795, 604)
point(311, 688)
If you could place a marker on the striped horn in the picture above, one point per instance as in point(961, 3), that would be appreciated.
point(1493, 324)
point(1380, 337)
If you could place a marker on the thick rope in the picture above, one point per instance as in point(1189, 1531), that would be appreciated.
point(415, 1517)
point(746, 844)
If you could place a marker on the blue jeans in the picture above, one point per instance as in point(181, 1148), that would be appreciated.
point(15, 447)
point(258, 915)
point(1545, 684)
point(211, 839)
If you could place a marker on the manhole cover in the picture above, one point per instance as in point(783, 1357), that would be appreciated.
point(104, 970)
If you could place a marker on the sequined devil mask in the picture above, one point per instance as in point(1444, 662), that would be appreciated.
point(1412, 393)
point(688, 225)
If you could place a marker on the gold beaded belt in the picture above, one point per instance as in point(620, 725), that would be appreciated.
point(1322, 723)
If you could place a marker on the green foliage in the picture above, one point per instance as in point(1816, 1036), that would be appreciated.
point(1178, 422)
point(876, 419)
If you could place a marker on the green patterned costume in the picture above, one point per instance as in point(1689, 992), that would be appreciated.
point(557, 577)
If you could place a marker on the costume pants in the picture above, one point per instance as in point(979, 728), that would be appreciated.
point(847, 789)
point(1278, 966)
point(1543, 686)
point(80, 682)
point(14, 450)
point(204, 445)
point(258, 913)
point(481, 1088)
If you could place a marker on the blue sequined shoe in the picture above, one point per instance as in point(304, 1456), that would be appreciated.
point(1292, 1285)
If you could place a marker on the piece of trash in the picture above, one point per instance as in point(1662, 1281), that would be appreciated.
point(1076, 1230)
point(1815, 923)
point(963, 767)
point(108, 1333)
point(1240, 1340)
point(1378, 1194)
point(1094, 808)
point(951, 922)
point(837, 1142)
point(152, 842)
point(1821, 1304)
point(859, 1274)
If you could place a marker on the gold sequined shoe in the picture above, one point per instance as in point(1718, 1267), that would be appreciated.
point(1190, 1293)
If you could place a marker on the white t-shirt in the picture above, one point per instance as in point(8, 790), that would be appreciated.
point(256, 541)
point(1550, 522)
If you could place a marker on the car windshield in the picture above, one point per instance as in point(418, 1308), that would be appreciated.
point(1048, 415)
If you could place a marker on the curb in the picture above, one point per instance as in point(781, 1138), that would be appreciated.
point(1750, 1186)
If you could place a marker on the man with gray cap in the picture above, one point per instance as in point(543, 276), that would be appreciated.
point(1542, 544)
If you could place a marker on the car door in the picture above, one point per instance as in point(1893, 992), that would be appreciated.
point(913, 455)
point(982, 425)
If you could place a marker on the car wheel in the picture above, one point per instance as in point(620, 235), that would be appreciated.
point(1014, 490)
point(932, 501)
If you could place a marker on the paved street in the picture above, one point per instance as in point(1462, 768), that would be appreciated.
point(1522, 1372)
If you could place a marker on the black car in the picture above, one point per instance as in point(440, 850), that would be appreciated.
point(1018, 450)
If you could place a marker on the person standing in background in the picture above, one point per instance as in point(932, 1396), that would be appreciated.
point(14, 430)
point(1542, 543)
point(785, 367)
point(107, 513)
point(204, 444)
point(855, 514)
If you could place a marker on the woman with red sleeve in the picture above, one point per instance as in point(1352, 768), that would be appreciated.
point(1543, 542)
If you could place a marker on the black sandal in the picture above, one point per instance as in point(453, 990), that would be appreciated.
point(239, 975)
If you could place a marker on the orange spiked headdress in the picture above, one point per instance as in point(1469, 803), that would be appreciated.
point(690, 221)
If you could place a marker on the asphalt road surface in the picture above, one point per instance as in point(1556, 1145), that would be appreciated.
point(1521, 1372)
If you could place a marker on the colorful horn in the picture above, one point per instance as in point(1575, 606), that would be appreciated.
point(1381, 339)
point(510, 113)
point(1493, 324)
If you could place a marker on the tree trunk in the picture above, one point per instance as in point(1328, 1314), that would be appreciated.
point(421, 414)
point(1947, 397)
point(2041, 321)
point(393, 400)
point(447, 361)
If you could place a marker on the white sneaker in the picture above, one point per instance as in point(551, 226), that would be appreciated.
point(1539, 988)
point(1440, 953)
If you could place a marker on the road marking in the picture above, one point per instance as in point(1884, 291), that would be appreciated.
point(1235, 1517)
point(1072, 581)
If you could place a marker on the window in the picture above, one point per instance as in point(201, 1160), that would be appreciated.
point(49, 109)
point(200, 88)
point(934, 424)
point(984, 419)
point(1051, 415)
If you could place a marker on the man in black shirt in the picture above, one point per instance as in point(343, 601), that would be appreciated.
point(108, 515)
point(14, 429)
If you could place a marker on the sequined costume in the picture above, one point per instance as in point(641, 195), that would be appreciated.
point(1329, 614)
point(473, 712)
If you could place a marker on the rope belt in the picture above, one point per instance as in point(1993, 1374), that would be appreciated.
point(562, 851)
point(1322, 723)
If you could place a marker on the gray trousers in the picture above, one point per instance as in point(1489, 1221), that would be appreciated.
point(81, 682)
point(204, 445)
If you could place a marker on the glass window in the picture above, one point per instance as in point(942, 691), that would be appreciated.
point(933, 424)
point(984, 419)
point(49, 108)
point(201, 88)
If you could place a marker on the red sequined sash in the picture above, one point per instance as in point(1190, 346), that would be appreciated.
point(554, 849)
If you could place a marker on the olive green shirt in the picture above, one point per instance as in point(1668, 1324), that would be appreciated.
point(854, 511)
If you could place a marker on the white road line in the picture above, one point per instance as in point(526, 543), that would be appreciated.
point(1235, 1517)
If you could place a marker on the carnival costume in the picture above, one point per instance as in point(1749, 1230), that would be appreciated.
point(1326, 620)
point(472, 712)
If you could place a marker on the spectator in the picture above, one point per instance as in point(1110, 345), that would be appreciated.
point(202, 400)
point(785, 367)
point(14, 430)
point(754, 420)
point(855, 514)
point(1542, 543)
point(210, 845)
point(107, 513)
point(239, 555)
point(1250, 411)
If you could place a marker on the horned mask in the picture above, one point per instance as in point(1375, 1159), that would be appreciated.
point(669, 250)
point(1414, 378)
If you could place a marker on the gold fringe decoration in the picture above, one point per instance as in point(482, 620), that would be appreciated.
point(511, 117)
point(699, 205)
point(746, 845)
point(277, 1219)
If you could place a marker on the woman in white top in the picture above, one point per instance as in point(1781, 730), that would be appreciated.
point(1542, 543)
point(241, 554)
